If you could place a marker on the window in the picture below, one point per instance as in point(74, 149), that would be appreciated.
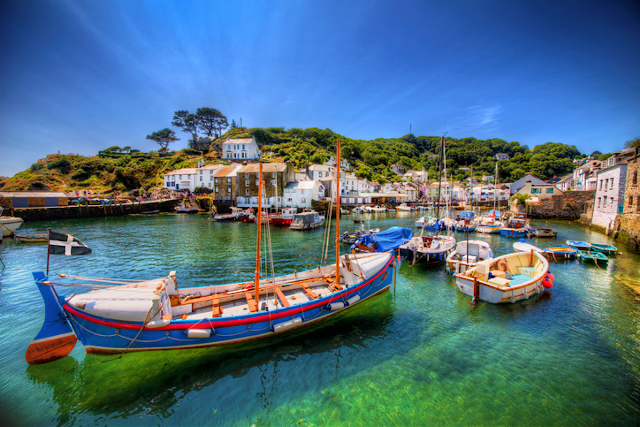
point(598, 205)
point(630, 200)
point(243, 146)
point(606, 184)
point(600, 185)
point(216, 180)
point(216, 188)
point(228, 179)
point(536, 190)
point(200, 179)
point(246, 192)
point(273, 175)
point(228, 189)
point(228, 197)
point(228, 155)
point(549, 190)
point(638, 204)
point(303, 200)
point(635, 177)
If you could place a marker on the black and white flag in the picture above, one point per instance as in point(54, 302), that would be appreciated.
point(66, 244)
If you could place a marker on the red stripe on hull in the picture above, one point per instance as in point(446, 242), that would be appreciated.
point(50, 350)
point(178, 325)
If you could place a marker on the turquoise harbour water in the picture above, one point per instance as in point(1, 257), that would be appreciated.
point(418, 356)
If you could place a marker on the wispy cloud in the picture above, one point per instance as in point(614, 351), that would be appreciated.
point(478, 120)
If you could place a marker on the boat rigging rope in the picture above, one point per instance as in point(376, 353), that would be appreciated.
point(101, 279)
point(141, 329)
point(327, 235)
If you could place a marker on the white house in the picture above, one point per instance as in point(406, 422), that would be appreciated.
point(585, 177)
point(320, 172)
point(299, 194)
point(204, 176)
point(502, 156)
point(609, 198)
point(180, 179)
point(241, 149)
point(343, 163)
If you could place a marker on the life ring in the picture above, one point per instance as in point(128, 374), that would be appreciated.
point(502, 265)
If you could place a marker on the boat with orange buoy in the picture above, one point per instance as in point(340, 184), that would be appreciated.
point(506, 279)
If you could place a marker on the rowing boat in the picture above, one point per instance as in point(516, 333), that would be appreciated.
point(592, 257)
point(561, 252)
point(605, 249)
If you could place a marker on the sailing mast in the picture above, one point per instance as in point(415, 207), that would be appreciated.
point(495, 189)
point(338, 215)
point(258, 254)
point(440, 160)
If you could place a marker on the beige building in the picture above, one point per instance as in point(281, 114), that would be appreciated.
point(276, 176)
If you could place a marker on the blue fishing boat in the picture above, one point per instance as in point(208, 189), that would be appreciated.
point(516, 227)
point(125, 316)
point(583, 246)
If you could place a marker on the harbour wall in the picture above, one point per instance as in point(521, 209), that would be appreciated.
point(93, 211)
point(626, 229)
point(569, 205)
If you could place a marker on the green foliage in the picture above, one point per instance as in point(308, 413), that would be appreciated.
point(632, 143)
point(62, 164)
point(163, 137)
point(520, 199)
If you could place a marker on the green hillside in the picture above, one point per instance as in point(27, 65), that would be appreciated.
point(125, 169)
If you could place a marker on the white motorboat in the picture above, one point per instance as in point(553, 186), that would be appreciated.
point(307, 221)
point(9, 224)
point(467, 254)
point(428, 249)
point(406, 208)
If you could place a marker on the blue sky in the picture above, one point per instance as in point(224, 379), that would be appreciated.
point(80, 76)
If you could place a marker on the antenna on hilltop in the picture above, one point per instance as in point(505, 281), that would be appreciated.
point(410, 129)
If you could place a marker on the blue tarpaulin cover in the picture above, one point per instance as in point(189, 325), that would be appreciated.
point(385, 240)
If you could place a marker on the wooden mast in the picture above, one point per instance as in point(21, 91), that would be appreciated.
point(259, 219)
point(338, 215)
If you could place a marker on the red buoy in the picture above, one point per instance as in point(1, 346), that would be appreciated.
point(547, 283)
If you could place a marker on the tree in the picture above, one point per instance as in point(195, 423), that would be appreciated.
point(233, 124)
point(632, 143)
point(187, 122)
point(163, 137)
point(211, 121)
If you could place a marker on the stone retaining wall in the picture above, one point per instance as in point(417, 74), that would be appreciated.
point(569, 205)
point(626, 229)
point(91, 211)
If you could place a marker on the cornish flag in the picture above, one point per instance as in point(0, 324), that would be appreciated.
point(66, 244)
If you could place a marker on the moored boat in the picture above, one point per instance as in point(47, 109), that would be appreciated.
point(544, 232)
point(467, 254)
point(593, 257)
point(32, 237)
point(236, 214)
point(158, 315)
point(306, 221)
point(561, 252)
point(406, 208)
point(183, 208)
point(428, 249)
point(580, 245)
point(515, 227)
point(384, 241)
point(605, 249)
point(284, 218)
point(506, 279)
point(523, 246)
point(9, 224)
point(351, 238)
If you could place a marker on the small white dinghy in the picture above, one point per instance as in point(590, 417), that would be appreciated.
point(523, 246)
point(467, 254)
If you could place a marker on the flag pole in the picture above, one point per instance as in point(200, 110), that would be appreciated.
point(48, 249)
